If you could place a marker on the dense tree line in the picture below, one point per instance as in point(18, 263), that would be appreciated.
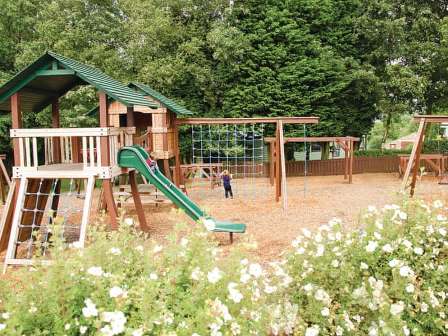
point(347, 61)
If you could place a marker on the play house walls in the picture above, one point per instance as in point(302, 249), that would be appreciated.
point(158, 122)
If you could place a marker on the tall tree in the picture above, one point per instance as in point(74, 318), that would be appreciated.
point(302, 59)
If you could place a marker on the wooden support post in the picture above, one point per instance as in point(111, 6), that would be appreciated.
point(177, 170)
point(16, 122)
point(283, 166)
point(55, 123)
point(272, 162)
point(166, 169)
point(414, 159)
point(346, 158)
point(352, 154)
point(108, 193)
point(278, 189)
point(130, 120)
point(137, 201)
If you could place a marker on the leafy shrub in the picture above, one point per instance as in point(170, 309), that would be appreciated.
point(380, 152)
point(388, 278)
point(435, 146)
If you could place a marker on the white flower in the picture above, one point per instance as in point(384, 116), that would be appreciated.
point(320, 250)
point(322, 295)
point(137, 332)
point(397, 308)
point(95, 271)
point(437, 204)
point(214, 276)
point(300, 250)
point(371, 246)
point(32, 309)
point(129, 221)
point(407, 243)
point(308, 287)
point(424, 307)
point(116, 291)
point(67, 326)
point(2, 326)
point(377, 235)
point(418, 250)
point(115, 251)
point(184, 242)
point(139, 248)
point(373, 331)
point(406, 331)
point(441, 218)
point(255, 270)
point(325, 311)
point(234, 294)
point(235, 328)
point(335, 263)
point(364, 266)
point(442, 231)
point(306, 233)
point(410, 288)
point(157, 248)
point(394, 263)
point(6, 316)
point(406, 271)
point(339, 331)
point(90, 309)
point(196, 274)
point(371, 208)
point(312, 331)
point(388, 248)
point(153, 276)
point(116, 321)
point(82, 330)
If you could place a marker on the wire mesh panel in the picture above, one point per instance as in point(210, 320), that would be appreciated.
point(46, 209)
point(237, 149)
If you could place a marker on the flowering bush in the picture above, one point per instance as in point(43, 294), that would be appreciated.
point(387, 279)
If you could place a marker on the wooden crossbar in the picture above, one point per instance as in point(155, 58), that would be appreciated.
point(266, 120)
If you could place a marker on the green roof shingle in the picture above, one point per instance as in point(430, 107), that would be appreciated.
point(40, 83)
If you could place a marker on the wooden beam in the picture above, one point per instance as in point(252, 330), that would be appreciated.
point(130, 121)
point(315, 139)
point(278, 189)
point(352, 154)
point(414, 158)
point(137, 201)
point(256, 120)
point(283, 165)
point(105, 161)
point(177, 169)
point(272, 163)
point(16, 122)
point(55, 123)
point(433, 118)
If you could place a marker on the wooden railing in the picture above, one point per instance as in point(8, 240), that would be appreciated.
point(70, 145)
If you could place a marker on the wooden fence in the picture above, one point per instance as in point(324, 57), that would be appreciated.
point(361, 165)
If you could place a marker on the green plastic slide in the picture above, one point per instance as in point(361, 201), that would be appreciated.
point(135, 157)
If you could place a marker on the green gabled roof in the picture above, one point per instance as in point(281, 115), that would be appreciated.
point(52, 75)
point(170, 104)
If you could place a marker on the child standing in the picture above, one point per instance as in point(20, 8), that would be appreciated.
point(226, 178)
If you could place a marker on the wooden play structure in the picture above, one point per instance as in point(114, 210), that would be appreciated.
point(155, 127)
point(52, 164)
point(347, 144)
point(278, 160)
point(68, 153)
point(437, 163)
point(413, 162)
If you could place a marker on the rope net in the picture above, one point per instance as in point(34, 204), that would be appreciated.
point(239, 149)
point(51, 207)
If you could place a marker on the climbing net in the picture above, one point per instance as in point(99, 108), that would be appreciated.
point(239, 149)
point(51, 207)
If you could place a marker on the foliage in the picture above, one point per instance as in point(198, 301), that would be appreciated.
point(380, 152)
point(388, 277)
